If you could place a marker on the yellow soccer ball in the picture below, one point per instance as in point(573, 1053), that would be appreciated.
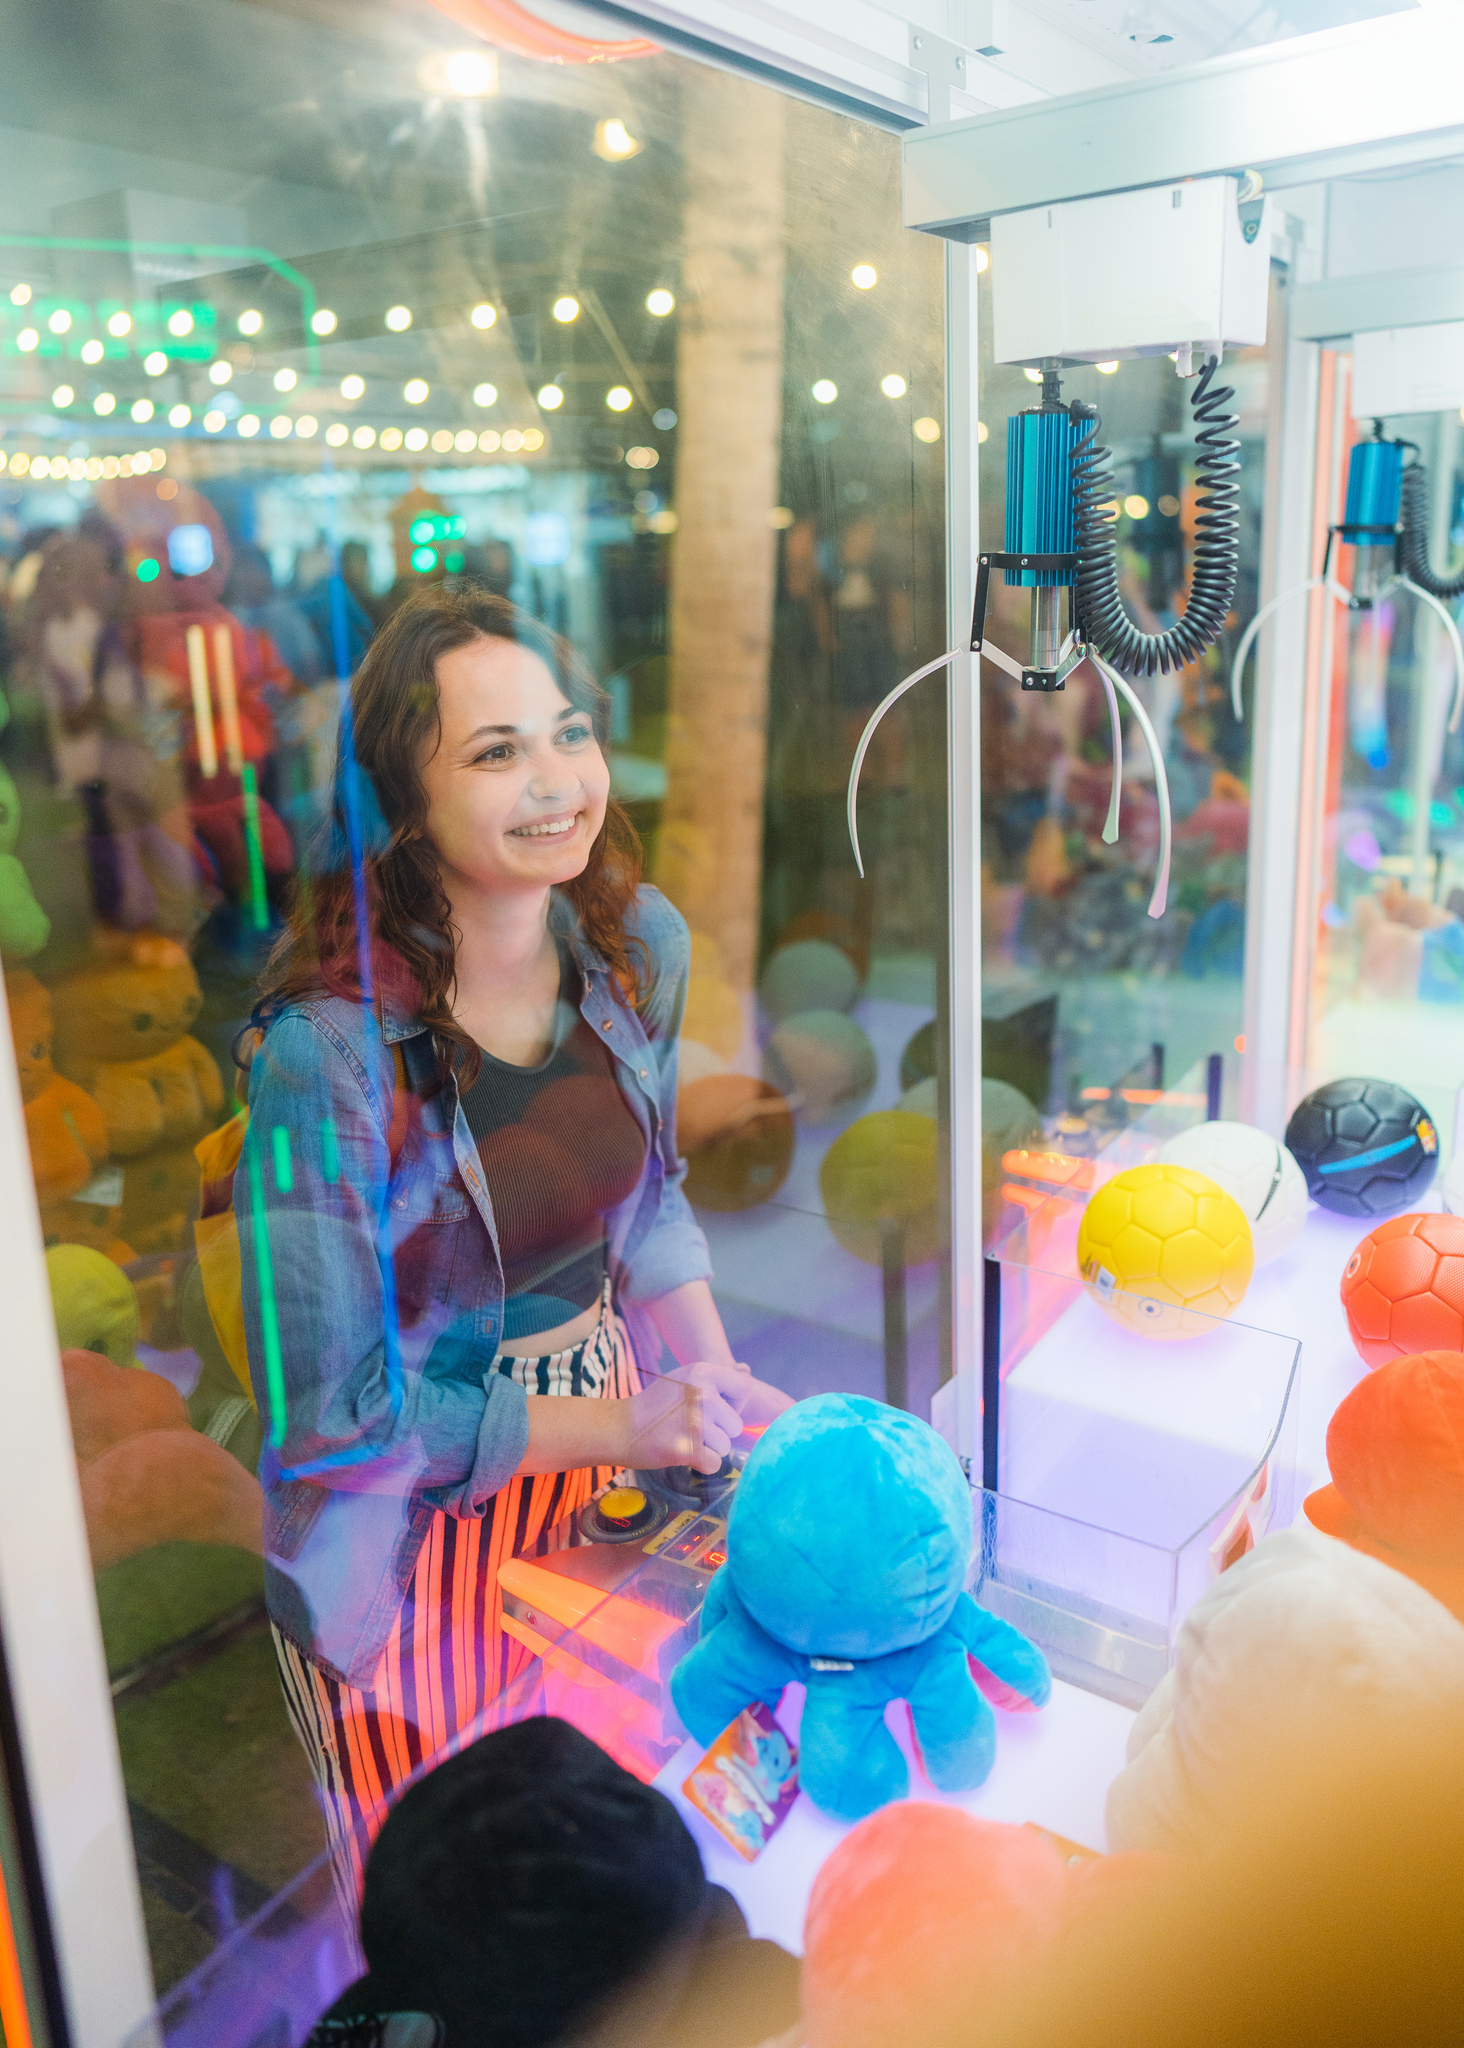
point(1162, 1249)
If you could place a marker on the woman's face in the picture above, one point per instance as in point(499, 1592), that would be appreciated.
point(517, 787)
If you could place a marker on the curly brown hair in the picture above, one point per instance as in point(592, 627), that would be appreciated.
point(376, 854)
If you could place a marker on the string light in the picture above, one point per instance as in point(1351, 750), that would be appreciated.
point(250, 322)
point(248, 425)
point(513, 440)
point(416, 438)
point(155, 364)
point(550, 397)
point(566, 309)
point(181, 322)
point(391, 437)
point(142, 410)
point(619, 399)
point(92, 352)
point(364, 437)
point(442, 441)
point(120, 324)
point(281, 426)
point(104, 403)
point(337, 434)
point(489, 442)
point(399, 318)
point(214, 423)
point(60, 321)
point(531, 439)
point(306, 426)
point(353, 387)
point(26, 340)
point(465, 441)
point(20, 295)
point(62, 395)
point(285, 380)
point(485, 394)
point(220, 372)
point(483, 315)
point(414, 390)
point(179, 415)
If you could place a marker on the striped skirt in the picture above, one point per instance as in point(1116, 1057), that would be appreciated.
point(448, 1658)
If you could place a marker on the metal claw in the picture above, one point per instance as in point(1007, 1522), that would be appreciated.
point(1161, 781)
point(908, 683)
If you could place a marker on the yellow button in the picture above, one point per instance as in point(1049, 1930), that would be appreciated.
point(622, 1503)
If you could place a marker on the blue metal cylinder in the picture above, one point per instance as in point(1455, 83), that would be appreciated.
point(1039, 494)
point(1374, 485)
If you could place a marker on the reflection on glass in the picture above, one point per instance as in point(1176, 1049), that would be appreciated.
point(642, 356)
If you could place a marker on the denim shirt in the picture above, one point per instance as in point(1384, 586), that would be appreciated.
point(373, 1292)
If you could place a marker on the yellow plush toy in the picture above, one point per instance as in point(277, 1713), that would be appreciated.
point(66, 1130)
point(122, 1034)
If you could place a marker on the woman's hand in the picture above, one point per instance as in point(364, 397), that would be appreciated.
point(683, 1419)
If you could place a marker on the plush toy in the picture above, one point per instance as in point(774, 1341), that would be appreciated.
point(65, 1129)
point(94, 1303)
point(847, 1551)
point(121, 1031)
point(24, 926)
point(146, 1476)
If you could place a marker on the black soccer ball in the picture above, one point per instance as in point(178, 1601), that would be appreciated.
point(1367, 1148)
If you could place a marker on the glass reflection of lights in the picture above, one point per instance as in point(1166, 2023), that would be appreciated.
point(485, 394)
point(281, 426)
point(148, 570)
point(614, 142)
point(390, 437)
point(442, 441)
point(483, 315)
point(323, 322)
point(155, 363)
point(893, 386)
point(927, 430)
point(665, 419)
point(306, 427)
point(1033, 376)
point(248, 425)
point(550, 397)
point(660, 302)
point(398, 318)
point(142, 410)
point(1106, 369)
point(641, 458)
point(864, 276)
point(825, 391)
point(104, 403)
point(181, 322)
point(26, 340)
point(220, 372)
point(179, 415)
point(337, 435)
point(120, 324)
point(424, 559)
point(353, 387)
point(250, 322)
point(566, 309)
point(471, 74)
point(214, 423)
point(619, 399)
point(415, 438)
point(190, 550)
point(983, 259)
point(20, 295)
point(1137, 507)
point(92, 352)
point(60, 321)
point(364, 437)
point(62, 395)
point(414, 390)
point(285, 380)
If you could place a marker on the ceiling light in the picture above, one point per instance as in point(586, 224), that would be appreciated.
point(179, 415)
point(1033, 376)
point(893, 386)
point(181, 322)
point(485, 394)
point(323, 322)
point(614, 142)
point(337, 434)
point(250, 322)
point(825, 391)
point(62, 395)
point(20, 295)
point(26, 340)
point(220, 372)
point(59, 321)
point(483, 315)
point(467, 74)
point(353, 387)
point(619, 399)
point(566, 309)
point(660, 302)
point(156, 363)
point(142, 410)
point(214, 423)
point(414, 390)
point(92, 352)
point(550, 397)
point(398, 318)
point(865, 276)
point(1106, 369)
point(105, 402)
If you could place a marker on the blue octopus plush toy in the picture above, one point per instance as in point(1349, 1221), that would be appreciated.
point(847, 1552)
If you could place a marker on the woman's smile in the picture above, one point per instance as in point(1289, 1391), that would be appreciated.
point(547, 828)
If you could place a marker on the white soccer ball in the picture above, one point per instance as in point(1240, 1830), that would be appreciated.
point(1451, 1185)
point(1257, 1170)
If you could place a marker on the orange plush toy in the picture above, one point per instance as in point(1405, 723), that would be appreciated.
point(66, 1131)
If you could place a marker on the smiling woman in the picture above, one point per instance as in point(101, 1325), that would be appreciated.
point(497, 1219)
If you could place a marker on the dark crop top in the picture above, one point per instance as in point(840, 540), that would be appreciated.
point(560, 1148)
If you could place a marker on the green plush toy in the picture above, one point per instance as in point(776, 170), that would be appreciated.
point(95, 1303)
point(24, 926)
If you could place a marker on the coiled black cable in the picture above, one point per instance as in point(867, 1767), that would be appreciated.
point(1414, 510)
point(1098, 609)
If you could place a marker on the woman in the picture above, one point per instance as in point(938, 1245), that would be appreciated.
point(461, 1170)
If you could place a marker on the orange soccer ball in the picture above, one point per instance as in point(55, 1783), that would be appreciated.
point(1403, 1288)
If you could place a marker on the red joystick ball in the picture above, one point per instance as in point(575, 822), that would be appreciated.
point(1403, 1288)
